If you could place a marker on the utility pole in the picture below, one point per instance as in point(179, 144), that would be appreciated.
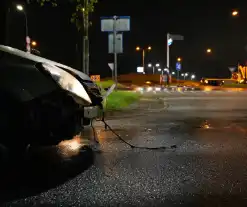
point(143, 59)
point(167, 51)
point(114, 48)
point(85, 38)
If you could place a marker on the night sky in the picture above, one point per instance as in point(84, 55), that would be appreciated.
point(208, 24)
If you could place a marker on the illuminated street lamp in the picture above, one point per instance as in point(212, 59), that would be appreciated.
point(193, 76)
point(173, 73)
point(143, 54)
point(209, 50)
point(19, 7)
point(234, 13)
point(179, 59)
point(150, 65)
point(34, 43)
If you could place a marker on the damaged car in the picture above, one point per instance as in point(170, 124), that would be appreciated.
point(42, 102)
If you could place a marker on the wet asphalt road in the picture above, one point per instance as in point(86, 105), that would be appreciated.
point(208, 167)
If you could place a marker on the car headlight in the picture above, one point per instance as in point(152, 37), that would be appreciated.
point(67, 81)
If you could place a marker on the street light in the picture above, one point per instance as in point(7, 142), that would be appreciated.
point(209, 50)
point(193, 76)
point(34, 43)
point(173, 73)
point(234, 13)
point(19, 7)
point(179, 59)
point(143, 54)
point(150, 65)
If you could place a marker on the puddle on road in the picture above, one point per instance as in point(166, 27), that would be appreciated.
point(221, 125)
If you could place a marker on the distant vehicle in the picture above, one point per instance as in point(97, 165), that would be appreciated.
point(42, 102)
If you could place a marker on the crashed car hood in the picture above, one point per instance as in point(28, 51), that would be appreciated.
point(53, 64)
point(38, 59)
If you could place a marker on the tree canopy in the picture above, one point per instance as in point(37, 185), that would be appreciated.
point(80, 9)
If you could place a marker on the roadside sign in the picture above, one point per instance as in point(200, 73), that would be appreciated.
point(111, 66)
point(170, 41)
point(163, 78)
point(177, 37)
point(178, 66)
point(122, 24)
point(95, 78)
point(118, 43)
point(232, 69)
point(140, 70)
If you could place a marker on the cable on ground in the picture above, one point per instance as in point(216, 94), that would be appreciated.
point(127, 143)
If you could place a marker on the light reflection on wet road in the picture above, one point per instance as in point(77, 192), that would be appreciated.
point(208, 167)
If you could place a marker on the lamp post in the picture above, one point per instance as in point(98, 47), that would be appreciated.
point(185, 75)
point(234, 13)
point(143, 54)
point(209, 50)
point(150, 65)
point(19, 7)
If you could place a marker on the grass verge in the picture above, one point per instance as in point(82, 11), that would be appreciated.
point(121, 99)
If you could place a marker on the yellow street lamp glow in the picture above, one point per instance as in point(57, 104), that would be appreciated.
point(138, 48)
point(179, 59)
point(19, 7)
point(209, 50)
point(235, 13)
point(34, 43)
point(149, 48)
